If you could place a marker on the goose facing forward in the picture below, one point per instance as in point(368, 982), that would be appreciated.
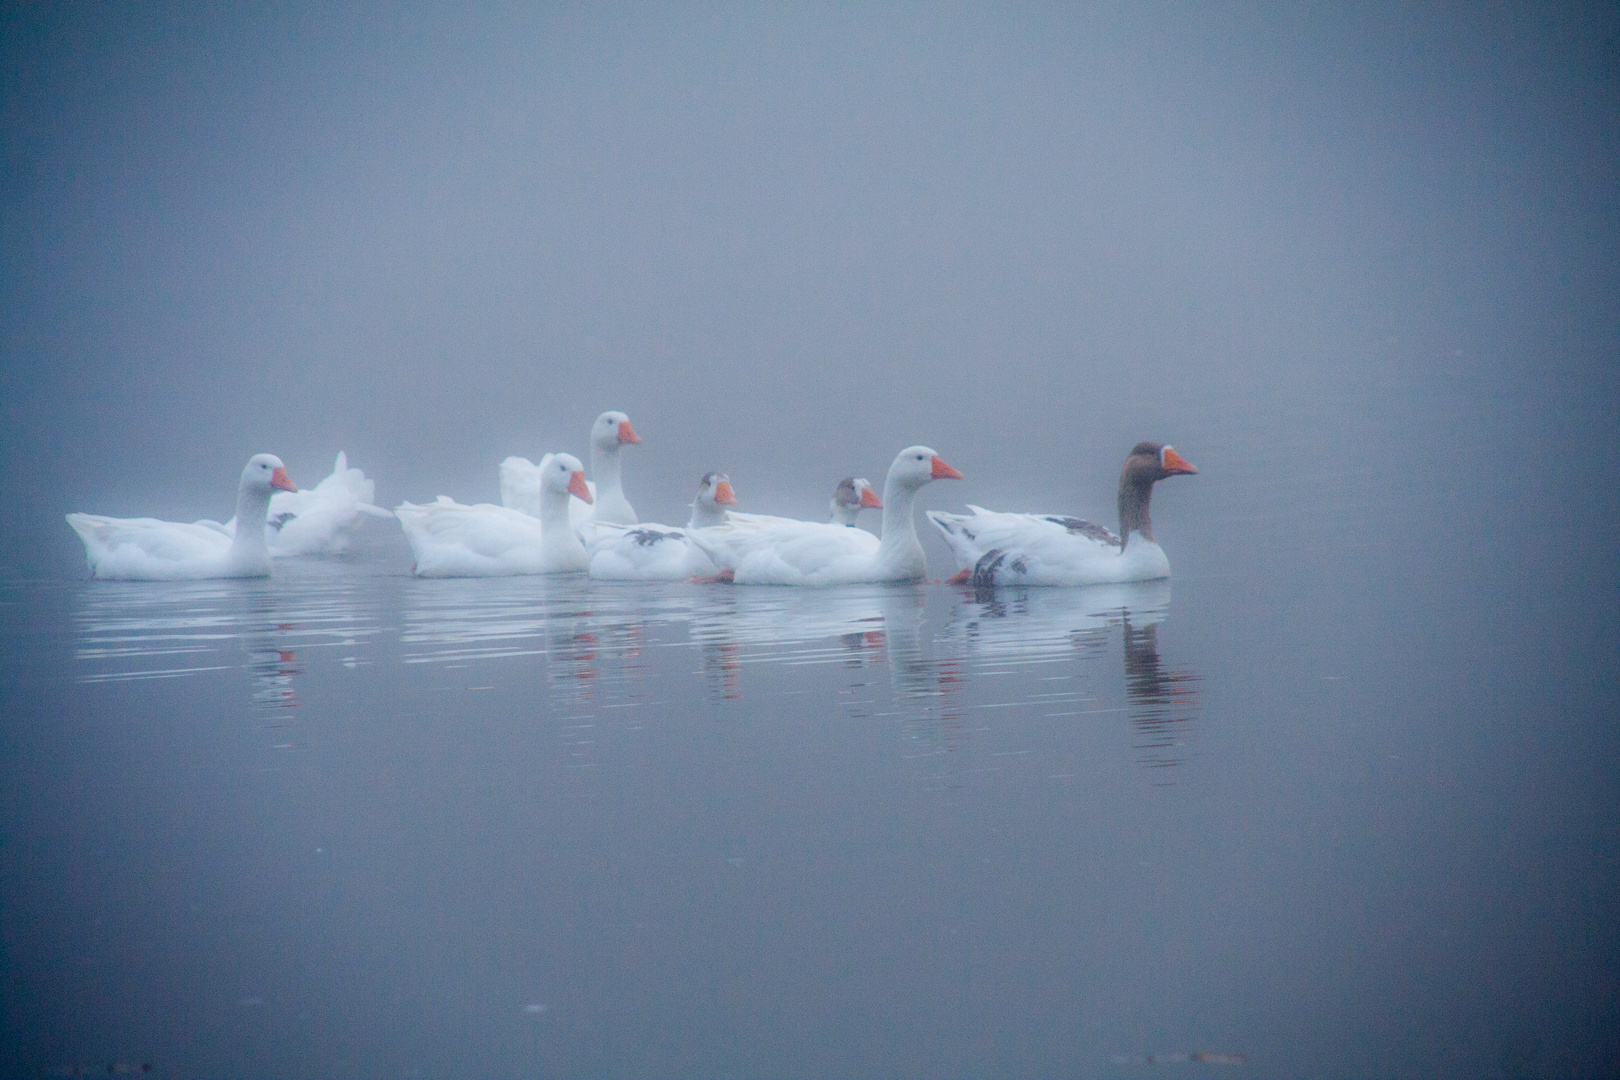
point(1052, 549)
point(663, 552)
point(146, 549)
point(452, 540)
point(853, 494)
point(611, 431)
point(780, 551)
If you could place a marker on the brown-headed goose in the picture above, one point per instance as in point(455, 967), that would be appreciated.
point(853, 495)
point(1051, 549)
point(850, 497)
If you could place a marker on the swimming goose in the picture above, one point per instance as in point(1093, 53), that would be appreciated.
point(520, 477)
point(452, 540)
point(780, 551)
point(1051, 549)
point(319, 520)
point(146, 549)
point(663, 552)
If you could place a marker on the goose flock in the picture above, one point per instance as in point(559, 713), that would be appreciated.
point(553, 520)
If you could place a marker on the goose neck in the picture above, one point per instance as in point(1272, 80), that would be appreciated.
point(605, 470)
point(1135, 504)
point(706, 515)
point(561, 548)
point(252, 509)
point(553, 509)
point(900, 551)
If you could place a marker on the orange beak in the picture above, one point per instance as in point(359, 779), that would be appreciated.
point(943, 471)
point(869, 497)
point(1175, 463)
point(627, 433)
point(577, 488)
point(280, 479)
point(723, 494)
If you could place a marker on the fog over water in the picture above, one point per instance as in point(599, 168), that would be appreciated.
point(1309, 246)
point(1361, 266)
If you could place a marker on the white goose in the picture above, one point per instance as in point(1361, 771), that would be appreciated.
point(146, 549)
point(452, 540)
point(1042, 549)
point(319, 520)
point(779, 551)
point(520, 477)
point(663, 552)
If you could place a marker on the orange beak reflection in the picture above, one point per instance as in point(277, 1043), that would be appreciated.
point(1174, 463)
point(870, 500)
point(627, 433)
point(723, 494)
point(943, 471)
point(280, 479)
point(577, 488)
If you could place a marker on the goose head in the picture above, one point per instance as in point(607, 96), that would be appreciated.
point(715, 488)
point(917, 465)
point(1148, 463)
point(713, 496)
point(565, 474)
point(611, 430)
point(1151, 462)
point(853, 495)
point(265, 473)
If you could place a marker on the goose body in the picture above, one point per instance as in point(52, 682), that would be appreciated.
point(781, 551)
point(319, 520)
point(663, 552)
point(1052, 549)
point(453, 540)
point(146, 549)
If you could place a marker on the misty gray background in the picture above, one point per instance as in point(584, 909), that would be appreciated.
point(1360, 266)
point(1361, 257)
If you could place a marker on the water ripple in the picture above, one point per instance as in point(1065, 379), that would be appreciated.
point(944, 660)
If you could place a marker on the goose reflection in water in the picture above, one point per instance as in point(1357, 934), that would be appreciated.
point(128, 631)
point(271, 663)
point(1023, 627)
point(783, 625)
point(929, 689)
point(711, 630)
point(1161, 703)
point(597, 653)
point(144, 631)
point(217, 629)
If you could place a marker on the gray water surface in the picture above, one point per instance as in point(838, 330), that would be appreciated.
point(346, 822)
